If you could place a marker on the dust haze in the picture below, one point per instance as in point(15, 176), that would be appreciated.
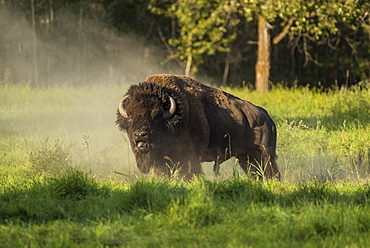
point(82, 69)
point(73, 50)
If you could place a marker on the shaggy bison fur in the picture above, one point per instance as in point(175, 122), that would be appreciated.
point(174, 123)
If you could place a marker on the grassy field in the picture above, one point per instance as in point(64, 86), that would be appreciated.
point(68, 179)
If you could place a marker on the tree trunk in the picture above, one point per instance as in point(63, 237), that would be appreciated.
point(226, 69)
point(51, 12)
point(263, 56)
point(81, 43)
point(189, 60)
point(188, 65)
point(34, 43)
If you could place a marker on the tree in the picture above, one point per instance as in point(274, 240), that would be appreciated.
point(215, 38)
point(307, 19)
point(34, 42)
point(202, 28)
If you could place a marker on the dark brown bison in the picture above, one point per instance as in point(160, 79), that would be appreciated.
point(175, 123)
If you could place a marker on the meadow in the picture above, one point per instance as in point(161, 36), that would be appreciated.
point(68, 178)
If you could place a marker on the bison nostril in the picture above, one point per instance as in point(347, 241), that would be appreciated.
point(142, 145)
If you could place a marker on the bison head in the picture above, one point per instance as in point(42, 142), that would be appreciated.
point(150, 115)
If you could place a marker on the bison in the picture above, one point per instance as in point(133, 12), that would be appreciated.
point(174, 123)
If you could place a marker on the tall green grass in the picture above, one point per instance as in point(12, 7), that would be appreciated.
point(68, 179)
point(74, 210)
point(321, 135)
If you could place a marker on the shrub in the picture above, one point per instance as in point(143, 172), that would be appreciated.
point(49, 158)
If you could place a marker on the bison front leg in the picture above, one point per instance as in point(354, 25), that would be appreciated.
point(190, 168)
point(160, 168)
point(184, 169)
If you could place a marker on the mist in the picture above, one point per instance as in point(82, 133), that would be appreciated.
point(73, 50)
point(68, 94)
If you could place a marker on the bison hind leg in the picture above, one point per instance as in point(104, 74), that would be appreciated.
point(259, 166)
point(271, 170)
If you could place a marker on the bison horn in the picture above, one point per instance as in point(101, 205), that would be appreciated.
point(121, 109)
point(172, 110)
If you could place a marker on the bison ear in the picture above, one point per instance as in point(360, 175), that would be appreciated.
point(121, 108)
point(172, 110)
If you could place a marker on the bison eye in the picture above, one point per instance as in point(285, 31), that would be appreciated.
point(128, 118)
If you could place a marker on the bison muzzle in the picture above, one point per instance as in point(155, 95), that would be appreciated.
point(174, 123)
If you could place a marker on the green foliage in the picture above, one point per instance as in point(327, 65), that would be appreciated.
point(203, 27)
point(315, 18)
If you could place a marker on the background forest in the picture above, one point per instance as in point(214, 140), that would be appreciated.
point(51, 42)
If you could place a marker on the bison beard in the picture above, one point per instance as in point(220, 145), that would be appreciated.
point(174, 123)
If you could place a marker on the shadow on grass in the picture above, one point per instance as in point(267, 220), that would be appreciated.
point(75, 196)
